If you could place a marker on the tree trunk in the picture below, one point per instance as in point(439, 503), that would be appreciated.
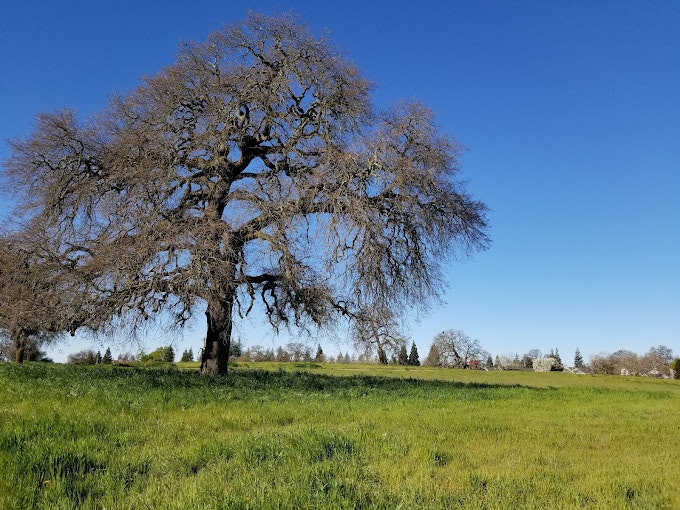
point(382, 356)
point(215, 357)
point(19, 341)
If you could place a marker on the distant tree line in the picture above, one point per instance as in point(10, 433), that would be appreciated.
point(655, 362)
point(164, 354)
point(90, 357)
point(450, 348)
point(300, 352)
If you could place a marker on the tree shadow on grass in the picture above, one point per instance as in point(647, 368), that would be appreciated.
point(304, 381)
point(132, 379)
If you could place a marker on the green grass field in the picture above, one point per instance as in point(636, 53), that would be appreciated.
point(334, 436)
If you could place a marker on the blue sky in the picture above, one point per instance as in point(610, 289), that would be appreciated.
point(570, 112)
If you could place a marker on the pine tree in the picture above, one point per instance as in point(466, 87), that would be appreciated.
point(557, 357)
point(98, 358)
point(434, 357)
point(413, 358)
point(107, 359)
point(235, 349)
point(403, 355)
point(320, 357)
point(578, 359)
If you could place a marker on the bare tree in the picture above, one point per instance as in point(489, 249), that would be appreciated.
point(659, 356)
point(33, 291)
point(45, 287)
point(253, 171)
point(377, 330)
point(455, 349)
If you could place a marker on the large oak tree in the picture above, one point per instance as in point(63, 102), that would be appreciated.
point(253, 172)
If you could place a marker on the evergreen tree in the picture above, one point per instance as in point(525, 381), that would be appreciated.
point(578, 359)
point(489, 362)
point(403, 355)
point(107, 359)
point(282, 355)
point(235, 349)
point(434, 357)
point(98, 358)
point(557, 357)
point(319, 357)
point(187, 355)
point(413, 358)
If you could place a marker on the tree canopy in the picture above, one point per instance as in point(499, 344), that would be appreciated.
point(453, 348)
point(253, 172)
point(33, 286)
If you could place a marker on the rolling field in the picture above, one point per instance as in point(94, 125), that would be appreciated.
point(334, 436)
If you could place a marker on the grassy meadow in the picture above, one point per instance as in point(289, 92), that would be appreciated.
point(334, 436)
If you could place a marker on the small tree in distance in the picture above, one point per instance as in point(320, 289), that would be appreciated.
point(85, 357)
point(413, 358)
point(319, 357)
point(403, 355)
point(454, 348)
point(544, 364)
point(162, 354)
point(675, 368)
point(187, 355)
point(578, 359)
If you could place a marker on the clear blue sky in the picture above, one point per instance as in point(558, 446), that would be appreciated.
point(570, 111)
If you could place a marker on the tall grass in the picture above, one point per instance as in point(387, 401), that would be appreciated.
point(110, 437)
